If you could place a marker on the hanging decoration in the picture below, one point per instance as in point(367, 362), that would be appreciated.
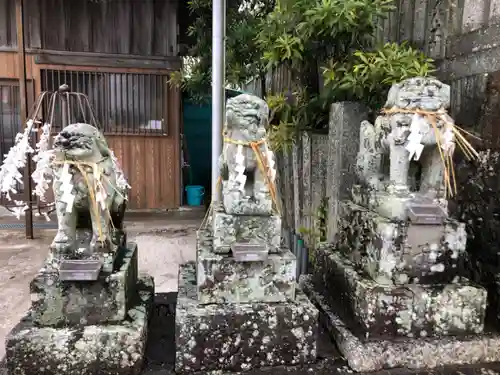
point(72, 106)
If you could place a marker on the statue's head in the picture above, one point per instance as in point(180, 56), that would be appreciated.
point(419, 93)
point(247, 114)
point(81, 141)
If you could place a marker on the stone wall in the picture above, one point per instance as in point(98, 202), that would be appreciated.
point(302, 182)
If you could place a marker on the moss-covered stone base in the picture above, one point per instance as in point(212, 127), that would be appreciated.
point(88, 350)
point(228, 229)
point(106, 300)
point(238, 337)
point(222, 279)
point(412, 310)
point(398, 252)
point(410, 353)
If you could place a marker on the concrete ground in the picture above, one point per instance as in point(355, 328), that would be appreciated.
point(164, 239)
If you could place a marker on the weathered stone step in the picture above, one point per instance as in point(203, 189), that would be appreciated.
point(405, 353)
point(415, 310)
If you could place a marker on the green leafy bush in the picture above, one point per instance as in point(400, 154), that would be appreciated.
point(243, 55)
point(368, 76)
point(327, 46)
point(303, 33)
point(302, 36)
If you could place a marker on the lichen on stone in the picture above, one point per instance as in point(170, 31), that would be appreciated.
point(87, 350)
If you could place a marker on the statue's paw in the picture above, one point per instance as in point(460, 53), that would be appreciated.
point(61, 238)
point(60, 246)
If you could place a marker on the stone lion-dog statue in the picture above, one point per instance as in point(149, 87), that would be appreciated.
point(82, 150)
point(246, 189)
point(390, 136)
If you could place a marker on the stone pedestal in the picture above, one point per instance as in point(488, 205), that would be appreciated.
point(413, 310)
point(84, 327)
point(392, 294)
point(238, 337)
point(236, 315)
point(364, 355)
point(416, 326)
point(397, 253)
point(106, 300)
point(221, 279)
point(229, 229)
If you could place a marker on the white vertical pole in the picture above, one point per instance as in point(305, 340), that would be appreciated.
point(218, 87)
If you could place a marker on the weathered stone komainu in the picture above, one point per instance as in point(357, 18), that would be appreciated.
point(393, 278)
point(84, 165)
point(246, 164)
point(405, 140)
point(90, 309)
point(238, 306)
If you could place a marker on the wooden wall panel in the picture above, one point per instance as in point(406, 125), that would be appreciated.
point(130, 27)
point(146, 27)
point(9, 68)
point(8, 36)
point(151, 163)
point(151, 167)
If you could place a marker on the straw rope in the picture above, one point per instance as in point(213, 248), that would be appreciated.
point(92, 188)
point(263, 167)
point(433, 117)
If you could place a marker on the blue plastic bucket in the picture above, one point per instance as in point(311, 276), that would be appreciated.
point(194, 195)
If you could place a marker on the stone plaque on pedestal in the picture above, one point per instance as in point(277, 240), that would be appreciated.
point(229, 229)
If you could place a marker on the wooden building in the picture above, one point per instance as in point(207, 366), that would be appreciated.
point(118, 52)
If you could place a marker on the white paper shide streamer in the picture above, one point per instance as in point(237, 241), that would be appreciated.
point(66, 180)
point(239, 159)
point(414, 146)
point(271, 172)
point(121, 182)
point(15, 160)
point(43, 174)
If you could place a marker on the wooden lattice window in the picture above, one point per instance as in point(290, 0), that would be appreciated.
point(124, 103)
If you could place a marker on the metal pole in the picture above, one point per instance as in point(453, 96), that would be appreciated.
point(218, 88)
point(21, 64)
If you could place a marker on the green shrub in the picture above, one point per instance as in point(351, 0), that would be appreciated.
point(368, 76)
